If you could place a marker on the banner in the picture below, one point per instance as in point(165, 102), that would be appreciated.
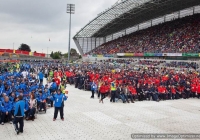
point(39, 54)
point(120, 54)
point(17, 52)
point(175, 54)
point(190, 54)
point(158, 54)
point(138, 54)
point(149, 54)
point(171, 54)
point(2, 50)
point(108, 55)
point(129, 54)
point(99, 55)
point(165, 54)
point(9, 51)
point(25, 52)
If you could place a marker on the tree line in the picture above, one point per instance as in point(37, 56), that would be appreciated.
point(53, 55)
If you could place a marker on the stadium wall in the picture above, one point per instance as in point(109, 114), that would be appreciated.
point(19, 52)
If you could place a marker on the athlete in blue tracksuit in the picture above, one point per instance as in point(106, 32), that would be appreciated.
point(41, 100)
point(53, 87)
point(0, 107)
point(47, 94)
point(58, 99)
point(41, 76)
point(6, 110)
point(19, 115)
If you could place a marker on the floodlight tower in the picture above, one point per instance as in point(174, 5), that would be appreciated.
point(70, 10)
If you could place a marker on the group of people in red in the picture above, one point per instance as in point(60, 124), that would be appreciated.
point(147, 84)
point(129, 85)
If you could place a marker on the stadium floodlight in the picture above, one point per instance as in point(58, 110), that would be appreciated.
point(70, 10)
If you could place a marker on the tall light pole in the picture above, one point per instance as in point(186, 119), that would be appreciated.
point(47, 52)
point(70, 10)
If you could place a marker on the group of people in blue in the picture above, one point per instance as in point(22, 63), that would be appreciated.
point(22, 95)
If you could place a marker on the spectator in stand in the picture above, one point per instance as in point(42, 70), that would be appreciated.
point(178, 36)
point(191, 65)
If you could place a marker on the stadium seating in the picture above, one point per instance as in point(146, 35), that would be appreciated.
point(150, 63)
point(182, 65)
point(178, 36)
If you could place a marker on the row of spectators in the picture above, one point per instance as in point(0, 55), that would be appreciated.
point(178, 36)
point(127, 61)
point(150, 63)
point(191, 65)
point(172, 64)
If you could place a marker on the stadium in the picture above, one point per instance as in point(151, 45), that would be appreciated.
point(144, 29)
point(139, 76)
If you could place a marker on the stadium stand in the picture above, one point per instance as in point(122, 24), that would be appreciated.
point(150, 62)
point(178, 36)
point(192, 65)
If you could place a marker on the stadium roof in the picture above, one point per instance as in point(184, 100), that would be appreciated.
point(128, 13)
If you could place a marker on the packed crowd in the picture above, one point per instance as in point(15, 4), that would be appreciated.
point(128, 61)
point(145, 83)
point(178, 36)
point(25, 82)
point(117, 83)
point(150, 62)
point(192, 65)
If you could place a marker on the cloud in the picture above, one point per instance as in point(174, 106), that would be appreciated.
point(35, 21)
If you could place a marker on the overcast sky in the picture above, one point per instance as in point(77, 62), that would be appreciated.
point(33, 22)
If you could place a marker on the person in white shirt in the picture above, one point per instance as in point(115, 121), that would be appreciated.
point(24, 74)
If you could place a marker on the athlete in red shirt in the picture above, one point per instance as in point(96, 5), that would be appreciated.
point(103, 91)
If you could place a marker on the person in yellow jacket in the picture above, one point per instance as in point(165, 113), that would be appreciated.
point(17, 66)
point(62, 87)
point(113, 90)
